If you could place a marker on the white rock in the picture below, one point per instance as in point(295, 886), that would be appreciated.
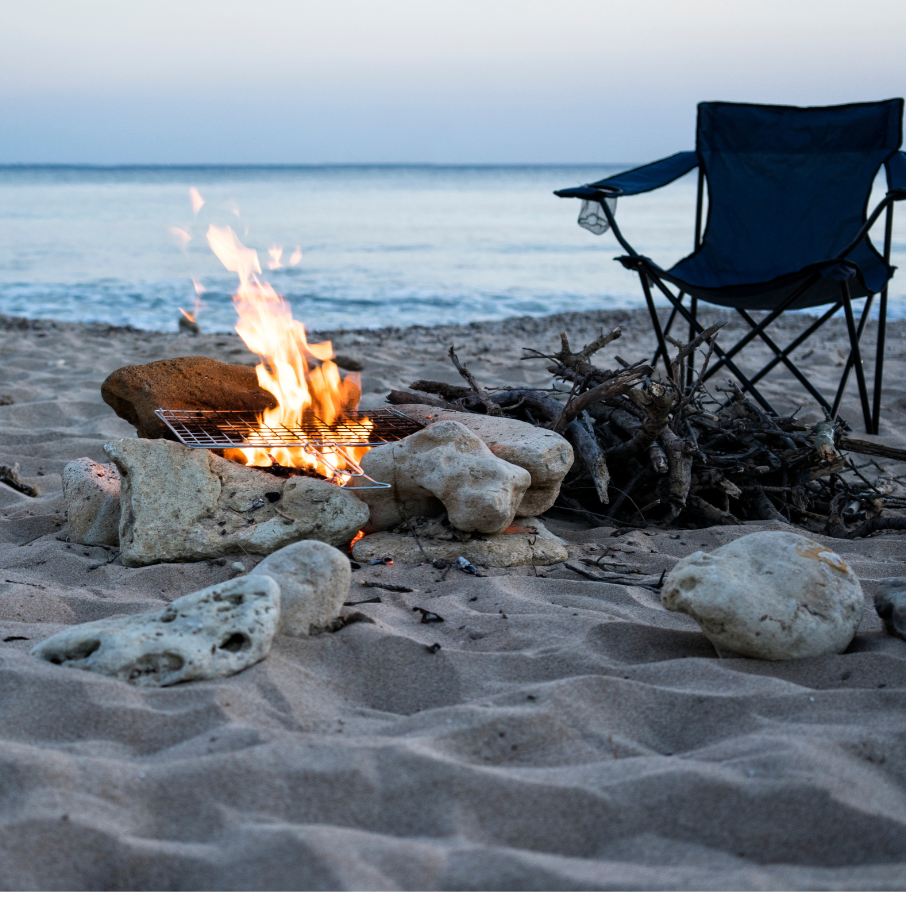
point(314, 581)
point(210, 633)
point(770, 595)
point(92, 495)
point(534, 545)
point(890, 604)
point(443, 466)
point(180, 504)
point(237, 567)
point(544, 454)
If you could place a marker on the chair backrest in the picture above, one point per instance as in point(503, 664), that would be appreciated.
point(789, 186)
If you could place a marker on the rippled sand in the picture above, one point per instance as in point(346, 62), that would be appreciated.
point(567, 734)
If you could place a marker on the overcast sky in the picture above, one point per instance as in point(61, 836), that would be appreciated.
point(459, 81)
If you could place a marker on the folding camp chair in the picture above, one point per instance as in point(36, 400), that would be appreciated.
point(787, 227)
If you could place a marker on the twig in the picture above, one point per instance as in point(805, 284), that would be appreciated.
point(614, 580)
point(492, 407)
point(385, 585)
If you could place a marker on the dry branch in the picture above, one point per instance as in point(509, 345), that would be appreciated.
point(665, 451)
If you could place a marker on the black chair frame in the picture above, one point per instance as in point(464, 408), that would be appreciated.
point(871, 409)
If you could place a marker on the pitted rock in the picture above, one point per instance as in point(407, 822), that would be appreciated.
point(532, 545)
point(544, 454)
point(180, 504)
point(215, 632)
point(445, 466)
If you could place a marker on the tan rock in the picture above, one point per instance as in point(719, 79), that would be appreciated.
point(536, 546)
point(180, 504)
point(215, 632)
point(92, 495)
point(544, 454)
point(191, 382)
point(314, 581)
point(444, 463)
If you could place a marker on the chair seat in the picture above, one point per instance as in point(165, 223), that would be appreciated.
point(699, 277)
point(703, 277)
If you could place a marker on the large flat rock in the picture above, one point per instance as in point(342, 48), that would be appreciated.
point(179, 504)
point(534, 546)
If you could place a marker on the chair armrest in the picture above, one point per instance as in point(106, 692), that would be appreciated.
point(896, 175)
point(634, 182)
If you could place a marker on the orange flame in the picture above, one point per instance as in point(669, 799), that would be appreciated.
point(299, 374)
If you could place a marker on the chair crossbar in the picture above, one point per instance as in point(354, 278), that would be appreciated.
point(781, 355)
point(693, 322)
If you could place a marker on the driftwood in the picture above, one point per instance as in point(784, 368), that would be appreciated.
point(665, 450)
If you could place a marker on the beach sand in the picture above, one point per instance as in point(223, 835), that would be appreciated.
point(567, 734)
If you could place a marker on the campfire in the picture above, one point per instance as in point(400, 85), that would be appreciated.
point(315, 428)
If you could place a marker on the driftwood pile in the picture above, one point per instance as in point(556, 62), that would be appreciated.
point(664, 450)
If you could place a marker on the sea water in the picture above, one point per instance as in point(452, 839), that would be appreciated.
point(379, 245)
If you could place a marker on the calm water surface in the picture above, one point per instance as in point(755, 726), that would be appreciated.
point(379, 245)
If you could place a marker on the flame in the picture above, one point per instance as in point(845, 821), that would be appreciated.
point(196, 199)
point(296, 257)
point(276, 253)
point(299, 374)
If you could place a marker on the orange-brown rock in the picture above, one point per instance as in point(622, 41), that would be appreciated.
point(191, 382)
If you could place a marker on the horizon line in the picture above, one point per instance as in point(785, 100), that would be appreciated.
point(308, 166)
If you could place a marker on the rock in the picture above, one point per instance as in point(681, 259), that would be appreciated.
point(314, 581)
point(180, 504)
point(890, 603)
point(444, 466)
point(536, 546)
point(92, 494)
point(192, 382)
point(215, 632)
point(544, 454)
point(770, 595)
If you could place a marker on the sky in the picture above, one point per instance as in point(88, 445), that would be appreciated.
point(399, 81)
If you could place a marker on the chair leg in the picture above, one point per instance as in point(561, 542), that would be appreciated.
point(857, 359)
point(882, 328)
point(761, 325)
point(689, 378)
point(879, 363)
point(724, 361)
point(847, 369)
point(817, 325)
point(780, 355)
point(655, 322)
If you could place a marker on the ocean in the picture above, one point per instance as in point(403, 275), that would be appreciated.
point(375, 246)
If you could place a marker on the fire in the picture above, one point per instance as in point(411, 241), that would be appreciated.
point(299, 374)
point(276, 253)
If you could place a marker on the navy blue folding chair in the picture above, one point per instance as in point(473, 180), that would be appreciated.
point(787, 227)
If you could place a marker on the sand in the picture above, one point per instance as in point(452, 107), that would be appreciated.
point(566, 735)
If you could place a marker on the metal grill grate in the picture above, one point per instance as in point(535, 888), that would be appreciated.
point(232, 429)
point(225, 429)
